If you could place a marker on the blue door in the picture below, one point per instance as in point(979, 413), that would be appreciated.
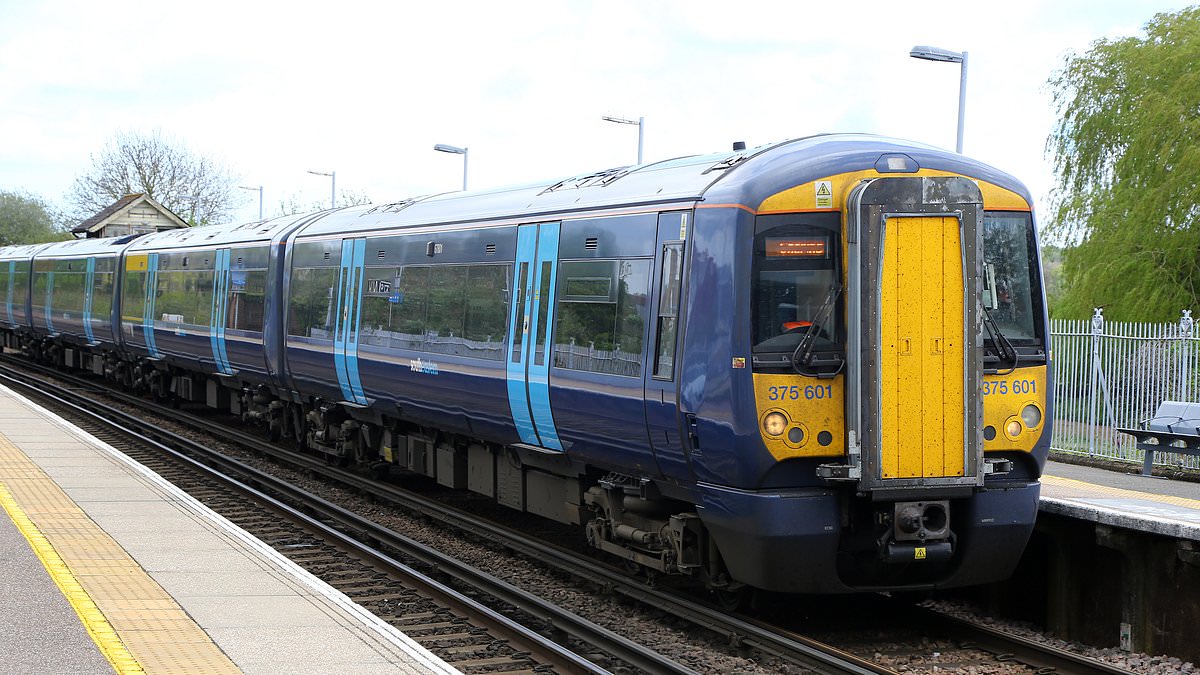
point(528, 369)
point(89, 289)
point(220, 309)
point(349, 311)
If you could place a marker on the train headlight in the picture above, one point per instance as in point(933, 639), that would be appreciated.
point(1031, 415)
point(775, 423)
point(1013, 428)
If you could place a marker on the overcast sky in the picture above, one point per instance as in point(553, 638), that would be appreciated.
point(366, 89)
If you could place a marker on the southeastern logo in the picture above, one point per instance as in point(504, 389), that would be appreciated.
point(423, 366)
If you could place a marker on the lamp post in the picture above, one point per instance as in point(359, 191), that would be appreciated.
point(641, 125)
point(252, 189)
point(332, 186)
point(455, 150)
point(945, 55)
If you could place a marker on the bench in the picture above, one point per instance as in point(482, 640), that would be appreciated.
point(1175, 427)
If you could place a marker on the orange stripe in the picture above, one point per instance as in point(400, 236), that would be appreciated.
point(743, 207)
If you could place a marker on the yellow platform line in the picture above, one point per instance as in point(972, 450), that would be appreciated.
point(1082, 490)
point(136, 624)
point(97, 626)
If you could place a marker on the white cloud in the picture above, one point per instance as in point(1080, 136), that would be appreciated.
point(366, 89)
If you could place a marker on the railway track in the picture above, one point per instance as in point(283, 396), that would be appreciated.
point(976, 644)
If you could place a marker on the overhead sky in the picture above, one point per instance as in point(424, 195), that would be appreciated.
point(365, 89)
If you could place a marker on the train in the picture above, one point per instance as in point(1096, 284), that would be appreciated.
point(815, 366)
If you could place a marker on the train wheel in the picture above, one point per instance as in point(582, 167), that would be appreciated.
point(732, 599)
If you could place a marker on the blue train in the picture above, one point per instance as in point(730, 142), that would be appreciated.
point(819, 366)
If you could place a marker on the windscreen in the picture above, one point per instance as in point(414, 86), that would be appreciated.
point(1011, 291)
point(795, 288)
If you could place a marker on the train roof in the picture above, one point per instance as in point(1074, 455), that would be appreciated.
point(259, 231)
point(93, 246)
point(743, 176)
point(20, 251)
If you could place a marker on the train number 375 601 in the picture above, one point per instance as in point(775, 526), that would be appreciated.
point(1004, 387)
point(811, 392)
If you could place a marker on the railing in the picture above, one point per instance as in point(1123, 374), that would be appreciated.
point(1114, 374)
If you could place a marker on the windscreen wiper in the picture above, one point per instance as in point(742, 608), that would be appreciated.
point(1000, 343)
point(803, 355)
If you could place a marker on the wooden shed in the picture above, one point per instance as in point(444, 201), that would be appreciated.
point(131, 214)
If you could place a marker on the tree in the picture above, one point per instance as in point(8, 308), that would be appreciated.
point(27, 219)
point(1127, 156)
point(294, 205)
point(197, 188)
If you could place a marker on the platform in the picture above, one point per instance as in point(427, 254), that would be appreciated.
point(1127, 500)
point(109, 567)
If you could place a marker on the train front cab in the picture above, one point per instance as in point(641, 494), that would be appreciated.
point(925, 474)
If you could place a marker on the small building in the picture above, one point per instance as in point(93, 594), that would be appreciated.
point(131, 214)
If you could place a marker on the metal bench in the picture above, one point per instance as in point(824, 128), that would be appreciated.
point(1175, 427)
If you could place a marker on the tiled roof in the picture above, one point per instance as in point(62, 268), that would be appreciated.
point(104, 215)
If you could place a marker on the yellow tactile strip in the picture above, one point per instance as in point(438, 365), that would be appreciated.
point(137, 625)
point(1067, 488)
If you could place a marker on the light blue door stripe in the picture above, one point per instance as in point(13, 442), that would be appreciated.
point(151, 296)
point(349, 313)
point(339, 321)
point(528, 381)
point(539, 373)
point(89, 289)
point(518, 327)
point(220, 301)
point(12, 272)
point(49, 301)
point(355, 317)
point(224, 311)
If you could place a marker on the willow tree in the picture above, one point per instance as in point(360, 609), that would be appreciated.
point(1127, 162)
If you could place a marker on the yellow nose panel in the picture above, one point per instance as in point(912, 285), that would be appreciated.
point(922, 368)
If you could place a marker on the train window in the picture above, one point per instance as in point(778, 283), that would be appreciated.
point(133, 298)
point(601, 325)
point(543, 296)
point(310, 302)
point(487, 309)
point(670, 287)
point(795, 289)
point(185, 297)
point(102, 289)
point(1013, 295)
point(443, 309)
point(519, 331)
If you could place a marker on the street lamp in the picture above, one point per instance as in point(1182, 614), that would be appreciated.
point(332, 186)
point(936, 54)
point(641, 125)
point(252, 189)
point(455, 150)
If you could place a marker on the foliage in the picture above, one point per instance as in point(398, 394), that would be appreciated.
point(294, 204)
point(197, 188)
point(27, 219)
point(1127, 153)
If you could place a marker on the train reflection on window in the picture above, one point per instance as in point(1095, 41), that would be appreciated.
point(602, 315)
point(1011, 292)
point(441, 309)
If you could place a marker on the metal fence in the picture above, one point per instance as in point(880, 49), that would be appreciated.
point(1112, 374)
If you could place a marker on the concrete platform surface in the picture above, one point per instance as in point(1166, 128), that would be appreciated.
point(1129, 500)
point(109, 567)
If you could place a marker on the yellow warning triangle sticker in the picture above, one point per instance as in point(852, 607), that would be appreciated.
point(823, 190)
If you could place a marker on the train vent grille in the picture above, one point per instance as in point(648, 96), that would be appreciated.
point(326, 255)
point(381, 255)
point(490, 249)
point(591, 243)
point(239, 260)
